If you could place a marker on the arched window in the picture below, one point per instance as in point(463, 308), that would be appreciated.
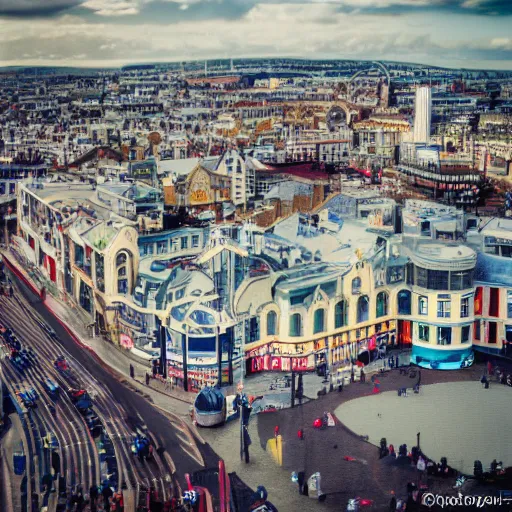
point(404, 302)
point(121, 259)
point(319, 321)
point(123, 272)
point(271, 323)
point(340, 314)
point(382, 304)
point(296, 324)
point(356, 286)
point(122, 282)
point(363, 309)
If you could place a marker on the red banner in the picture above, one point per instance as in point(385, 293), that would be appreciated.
point(299, 363)
point(278, 363)
point(125, 341)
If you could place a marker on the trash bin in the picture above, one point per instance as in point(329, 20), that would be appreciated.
point(19, 463)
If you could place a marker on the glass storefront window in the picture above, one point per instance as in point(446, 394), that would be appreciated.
point(444, 335)
point(424, 332)
point(464, 334)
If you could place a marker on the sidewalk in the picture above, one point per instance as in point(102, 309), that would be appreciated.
point(118, 359)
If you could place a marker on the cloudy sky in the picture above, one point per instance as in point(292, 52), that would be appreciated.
point(453, 33)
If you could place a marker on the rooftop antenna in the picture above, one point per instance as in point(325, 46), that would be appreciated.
point(205, 68)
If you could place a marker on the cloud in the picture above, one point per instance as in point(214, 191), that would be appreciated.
point(489, 7)
point(113, 7)
point(307, 29)
point(35, 8)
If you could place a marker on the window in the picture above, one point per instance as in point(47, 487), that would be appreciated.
point(423, 333)
point(478, 300)
point(296, 325)
point(464, 307)
point(161, 247)
point(121, 271)
point(461, 280)
point(340, 314)
point(438, 280)
point(422, 277)
point(444, 335)
point(464, 334)
point(195, 240)
point(494, 302)
point(363, 307)
point(476, 330)
point(180, 293)
point(509, 304)
point(319, 321)
point(356, 286)
point(444, 307)
point(184, 242)
point(404, 302)
point(423, 305)
point(271, 323)
point(382, 304)
point(492, 332)
point(122, 286)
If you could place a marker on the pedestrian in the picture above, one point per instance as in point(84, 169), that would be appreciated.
point(392, 502)
point(132, 371)
point(93, 496)
point(107, 494)
point(362, 377)
point(397, 362)
point(11, 291)
point(80, 501)
point(147, 379)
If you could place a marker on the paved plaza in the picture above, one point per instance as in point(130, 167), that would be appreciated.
point(458, 420)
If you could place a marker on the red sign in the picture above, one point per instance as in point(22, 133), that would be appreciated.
point(299, 363)
point(278, 363)
point(125, 341)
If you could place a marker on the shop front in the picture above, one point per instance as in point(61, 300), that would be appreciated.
point(282, 357)
point(442, 359)
point(198, 376)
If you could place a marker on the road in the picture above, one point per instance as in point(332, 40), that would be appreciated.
point(121, 410)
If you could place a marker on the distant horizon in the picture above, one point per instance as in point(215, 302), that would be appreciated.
point(454, 34)
point(253, 58)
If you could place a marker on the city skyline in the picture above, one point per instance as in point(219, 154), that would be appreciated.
point(96, 33)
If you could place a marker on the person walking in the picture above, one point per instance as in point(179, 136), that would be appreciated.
point(93, 497)
point(362, 377)
point(107, 495)
point(392, 502)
